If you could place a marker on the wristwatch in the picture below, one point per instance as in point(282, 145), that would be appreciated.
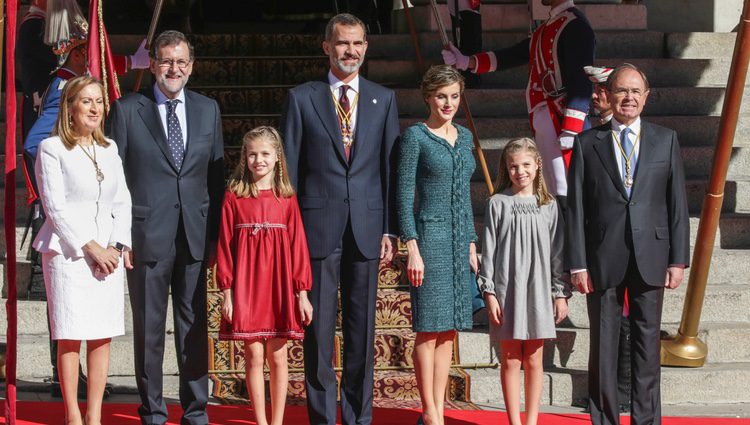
point(118, 246)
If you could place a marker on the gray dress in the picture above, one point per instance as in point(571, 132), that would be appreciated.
point(522, 265)
point(438, 176)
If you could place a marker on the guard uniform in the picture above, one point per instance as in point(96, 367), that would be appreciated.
point(558, 91)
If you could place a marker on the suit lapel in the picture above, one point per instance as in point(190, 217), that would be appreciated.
point(149, 113)
point(192, 116)
point(645, 155)
point(322, 102)
point(365, 110)
point(606, 152)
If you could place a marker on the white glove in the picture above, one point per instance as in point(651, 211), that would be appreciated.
point(453, 56)
point(566, 140)
point(140, 59)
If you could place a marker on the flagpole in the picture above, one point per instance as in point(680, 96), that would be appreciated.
point(149, 40)
point(11, 9)
point(465, 105)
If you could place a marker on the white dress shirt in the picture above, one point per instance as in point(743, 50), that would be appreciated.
point(161, 104)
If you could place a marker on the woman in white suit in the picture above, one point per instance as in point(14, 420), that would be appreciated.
point(87, 203)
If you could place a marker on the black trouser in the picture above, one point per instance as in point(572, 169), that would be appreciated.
point(150, 284)
point(359, 283)
point(605, 316)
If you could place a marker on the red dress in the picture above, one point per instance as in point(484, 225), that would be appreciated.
point(262, 256)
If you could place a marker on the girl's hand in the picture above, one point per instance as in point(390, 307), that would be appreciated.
point(561, 309)
point(473, 259)
point(106, 259)
point(305, 308)
point(494, 311)
point(227, 309)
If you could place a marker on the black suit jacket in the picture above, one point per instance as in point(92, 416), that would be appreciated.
point(332, 190)
point(601, 218)
point(161, 194)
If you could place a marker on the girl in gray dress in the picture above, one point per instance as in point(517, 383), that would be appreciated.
point(520, 275)
point(435, 168)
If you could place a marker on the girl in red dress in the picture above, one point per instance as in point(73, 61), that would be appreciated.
point(263, 267)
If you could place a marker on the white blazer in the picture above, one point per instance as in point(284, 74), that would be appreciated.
point(78, 208)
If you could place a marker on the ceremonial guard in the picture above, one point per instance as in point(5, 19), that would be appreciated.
point(558, 91)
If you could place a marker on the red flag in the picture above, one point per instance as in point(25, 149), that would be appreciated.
point(101, 61)
point(11, 8)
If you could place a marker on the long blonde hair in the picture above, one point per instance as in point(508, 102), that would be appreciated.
point(64, 124)
point(503, 177)
point(241, 182)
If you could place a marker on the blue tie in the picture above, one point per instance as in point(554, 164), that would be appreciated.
point(627, 147)
point(174, 134)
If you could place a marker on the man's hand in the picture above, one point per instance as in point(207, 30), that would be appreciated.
point(674, 277)
point(210, 255)
point(127, 258)
point(453, 56)
point(494, 312)
point(387, 249)
point(582, 282)
point(566, 140)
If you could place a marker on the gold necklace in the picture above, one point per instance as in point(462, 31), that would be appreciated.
point(346, 119)
point(628, 183)
point(99, 174)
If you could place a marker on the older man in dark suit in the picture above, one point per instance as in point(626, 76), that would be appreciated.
point(338, 137)
point(627, 229)
point(171, 146)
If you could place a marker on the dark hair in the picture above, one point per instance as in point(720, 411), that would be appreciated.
point(346, 19)
point(170, 38)
point(439, 76)
point(620, 68)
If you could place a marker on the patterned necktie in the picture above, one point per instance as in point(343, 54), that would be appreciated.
point(345, 108)
point(174, 134)
point(627, 147)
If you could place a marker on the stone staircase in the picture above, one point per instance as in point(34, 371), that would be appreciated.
point(249, 75)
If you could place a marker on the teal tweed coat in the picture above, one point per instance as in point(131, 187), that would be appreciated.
point(434, 207)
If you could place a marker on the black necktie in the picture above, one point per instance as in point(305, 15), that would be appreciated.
point(174, 134)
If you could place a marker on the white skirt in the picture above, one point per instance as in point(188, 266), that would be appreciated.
point(83, 306)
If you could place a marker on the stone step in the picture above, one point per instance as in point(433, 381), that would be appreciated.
point(495, 132)
point(269, 99)
point(713, 383)
point(697, 161)
point(701, 45)
point(723, 303)
point(571, 348)
point(515, 17)
point(736, 194)
point(609, 44)
point(733, 231)
point(660, 72)
point(34, 360)
point(259, 70)
point(504, 102)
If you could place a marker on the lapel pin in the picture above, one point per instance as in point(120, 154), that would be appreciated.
point(375, 101)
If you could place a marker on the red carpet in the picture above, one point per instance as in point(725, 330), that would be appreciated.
point(33, 413)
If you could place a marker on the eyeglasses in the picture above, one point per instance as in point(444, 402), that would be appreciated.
point(624, 92)
point(168, 63)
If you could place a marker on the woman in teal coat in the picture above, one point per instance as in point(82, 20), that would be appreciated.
point(435, 167)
